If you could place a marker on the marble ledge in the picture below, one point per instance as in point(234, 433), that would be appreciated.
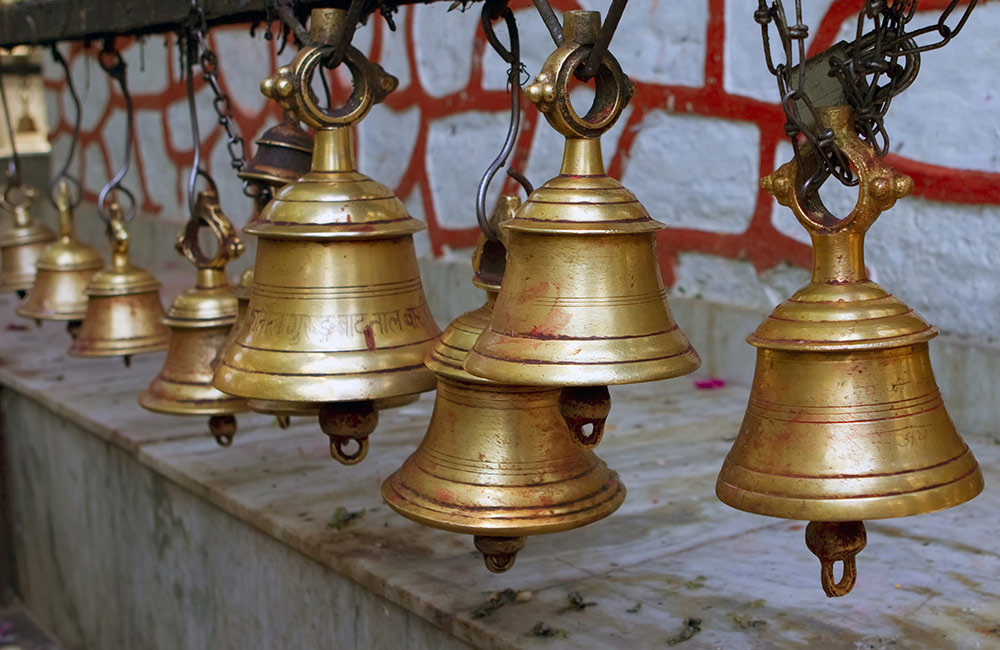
point(671, 556)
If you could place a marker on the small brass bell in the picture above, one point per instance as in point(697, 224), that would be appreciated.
point(337, 315)
point(65, 269)
point(124, 314)
point(283, 155)
point(582, 303)
point(22, 244)
point(200, 320)
point(498, 461)
point(845, 421)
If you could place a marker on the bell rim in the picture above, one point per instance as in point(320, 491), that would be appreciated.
point(959, 490)
point(151, 402)
point(560, 373)
point(52, 315)
point(20, 284)
point(412, 510)
point(383, 229)
point(117, 351)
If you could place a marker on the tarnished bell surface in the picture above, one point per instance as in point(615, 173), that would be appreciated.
point(200, 320)
point(582, 302)
point(65, 269)
point(21, 246)
point(498, 461)
point(845, 421)
point(124, 313)
point(337, 312)
point(283, 154)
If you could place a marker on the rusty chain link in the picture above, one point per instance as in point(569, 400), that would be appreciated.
point(880, 63)
point(209, 63)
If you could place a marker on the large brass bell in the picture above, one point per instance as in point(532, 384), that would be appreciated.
point(23, 243)
point(845, 421)
point(283, 155)
point(337, 315)
point(65, 269)
point(124, 313)
point(582, 303)
point(498, 461)
point(200, 320)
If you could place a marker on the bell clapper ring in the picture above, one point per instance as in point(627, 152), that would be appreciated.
point(832, 542)
point(348, 424)
point(491, 10)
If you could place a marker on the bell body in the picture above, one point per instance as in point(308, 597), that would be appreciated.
point(199, 320)
point(844, 436)
point(20, 249)
point(65, 269)
point(337, 312)
point(124, 313)
point(845, 421)
point(282, 156)
point(582, 301)
point(498, 461)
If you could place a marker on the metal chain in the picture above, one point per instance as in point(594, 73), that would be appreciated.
point(881, 62)
point(209, 63)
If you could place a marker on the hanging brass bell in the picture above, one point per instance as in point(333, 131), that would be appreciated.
point(498, 461)
point(845, 421)
point(283, 155)
point(200, 319)
point(124, 313)
point(337, 315)
point(582, 302)
point(65, 269)
point(23, 243)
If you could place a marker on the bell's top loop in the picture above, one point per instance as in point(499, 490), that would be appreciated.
point(118, 237)
point(551, 88)
point(64, 203)
point(17, 195)
point(291, 87)
point(879, 186)
point(208, 214)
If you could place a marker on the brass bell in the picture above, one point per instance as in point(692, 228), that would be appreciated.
point(283, 155)
point(64, 270)
point(498, 461)
point(337, 315)
point(845, 421)
point(582, 303)
point(124, 314)
point(22, 244)
point(200, 320)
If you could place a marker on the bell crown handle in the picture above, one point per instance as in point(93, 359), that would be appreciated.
point(551, 89)
point(838, 243)
point(208, 214)
point(879, 185)
point(290, 86)
point(18, 199)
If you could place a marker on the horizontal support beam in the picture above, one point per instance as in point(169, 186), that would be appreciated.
point(33, 22)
